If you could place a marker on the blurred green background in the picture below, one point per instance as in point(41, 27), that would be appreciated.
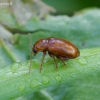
point(71, 6)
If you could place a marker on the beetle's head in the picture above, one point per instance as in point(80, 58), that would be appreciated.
point(34, 51)
point(40, 46)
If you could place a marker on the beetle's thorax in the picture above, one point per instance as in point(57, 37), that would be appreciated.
point(41, 45)
point(51, 40)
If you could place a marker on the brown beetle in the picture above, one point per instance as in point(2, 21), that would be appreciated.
point(62, 49)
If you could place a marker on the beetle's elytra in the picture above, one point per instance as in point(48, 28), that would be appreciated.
point(56, 47)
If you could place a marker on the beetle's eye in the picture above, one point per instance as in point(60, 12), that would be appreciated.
point(34, 51)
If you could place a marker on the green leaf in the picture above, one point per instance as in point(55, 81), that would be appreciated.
point(16, 80)
point(79, 80)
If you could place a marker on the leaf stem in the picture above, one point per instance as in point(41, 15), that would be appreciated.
point(9, 51)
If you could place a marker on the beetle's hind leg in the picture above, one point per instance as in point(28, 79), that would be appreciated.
point(62, 59)
point(51, 55)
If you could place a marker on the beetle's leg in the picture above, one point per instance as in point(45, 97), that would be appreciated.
point(62, 59)
point(51, 55)
point(55, 63)
point(44, 53)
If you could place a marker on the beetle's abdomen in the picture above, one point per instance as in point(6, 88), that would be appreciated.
point(63, 48)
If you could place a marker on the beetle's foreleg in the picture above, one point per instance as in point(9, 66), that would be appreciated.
point(44, 53)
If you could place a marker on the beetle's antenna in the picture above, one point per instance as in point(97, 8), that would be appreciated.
point(30, 53)
point(30, 40)
point(30, 62)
